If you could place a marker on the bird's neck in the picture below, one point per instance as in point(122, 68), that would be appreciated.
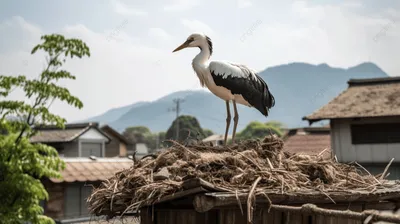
point(204, 55)
point(200, 64)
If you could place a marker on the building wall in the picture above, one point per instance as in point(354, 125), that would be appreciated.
point(123, 149)
point(92, 149)
point(93, 134)
point(54, 207)
point(141, 150)
point(75, 198)
point(92, 143)
point(345, 151)
point(375, 169)
point(67, 200)
point(113, 147)
point(68, 149)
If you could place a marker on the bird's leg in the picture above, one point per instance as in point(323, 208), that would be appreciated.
point(235, 121)
point(228, 121)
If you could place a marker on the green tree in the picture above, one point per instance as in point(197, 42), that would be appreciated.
point(155, 140)
point(137, 134)
point(207, 132)
point(22, 164)
point(257, 129)
point(187, 124)
point(141, 134)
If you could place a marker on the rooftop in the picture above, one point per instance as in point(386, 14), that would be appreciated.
point(308, 141)
point(91, 169)
point(378, 97)
point(108, 129)
point(52, 133)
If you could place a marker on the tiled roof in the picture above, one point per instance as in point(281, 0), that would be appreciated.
point(86, 169)
point(309, 142)
point(364, 98)
point(66, 135)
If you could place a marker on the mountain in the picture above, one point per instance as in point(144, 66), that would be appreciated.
point(113, 114)
point(298, 88)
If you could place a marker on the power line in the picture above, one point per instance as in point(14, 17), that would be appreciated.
point(177, 110)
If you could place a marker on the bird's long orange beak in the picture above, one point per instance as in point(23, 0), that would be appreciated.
point(184, 45)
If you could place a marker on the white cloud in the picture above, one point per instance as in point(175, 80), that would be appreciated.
point(244, 3)
point(330, 34)
point(122, 69)
point(118, 72)
point(159, 33)
point(181, 5)
point(198, 26)
point(20, 33)
point(126, 10)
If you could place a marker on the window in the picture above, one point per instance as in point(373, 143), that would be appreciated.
point(91, 149)
point(375, 133)
point(75, 200)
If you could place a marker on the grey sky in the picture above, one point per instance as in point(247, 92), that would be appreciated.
point(131, 41)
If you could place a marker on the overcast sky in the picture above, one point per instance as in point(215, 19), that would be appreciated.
point(131, 41)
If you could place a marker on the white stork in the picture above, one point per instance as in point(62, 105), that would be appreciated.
point(229, 81)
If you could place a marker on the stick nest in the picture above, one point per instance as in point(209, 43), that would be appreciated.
point(230, 168)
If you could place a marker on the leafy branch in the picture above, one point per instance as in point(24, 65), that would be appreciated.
point(23, 164)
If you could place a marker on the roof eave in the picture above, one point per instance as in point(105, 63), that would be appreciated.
point(312, 120)
point(87, 129)
point(119, 135)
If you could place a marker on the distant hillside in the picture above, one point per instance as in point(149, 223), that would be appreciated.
point(299, 89)
point(115, 113)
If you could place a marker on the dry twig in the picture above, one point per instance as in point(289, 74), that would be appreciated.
point(232, 169)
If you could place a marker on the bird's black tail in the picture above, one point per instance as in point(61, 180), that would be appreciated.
point(268, 98)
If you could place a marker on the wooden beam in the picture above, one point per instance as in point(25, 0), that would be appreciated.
point(208, 201)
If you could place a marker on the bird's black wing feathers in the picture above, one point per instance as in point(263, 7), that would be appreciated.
point(244, 82)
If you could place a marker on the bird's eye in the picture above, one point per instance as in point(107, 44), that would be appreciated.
point(190, 39)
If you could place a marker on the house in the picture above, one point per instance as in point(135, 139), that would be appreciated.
point(308, 141)
point(86, 150)
point(76, 140)
point(119, 145)
point(67, 196)
point(216, 139)
point(365, 121)
point(141, 150)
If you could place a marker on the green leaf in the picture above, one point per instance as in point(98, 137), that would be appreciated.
point(23, 164)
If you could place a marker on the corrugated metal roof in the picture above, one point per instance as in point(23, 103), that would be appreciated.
point(86, 169)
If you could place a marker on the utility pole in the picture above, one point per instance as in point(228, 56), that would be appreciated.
point(177, 110)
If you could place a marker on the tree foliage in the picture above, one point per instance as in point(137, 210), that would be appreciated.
point(187, 125)
point(137, 134)
point(257, 129)
point(22, 164)
point(141, 134)
point(207, 132)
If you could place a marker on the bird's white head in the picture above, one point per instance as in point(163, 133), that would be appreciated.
point(196, 40)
